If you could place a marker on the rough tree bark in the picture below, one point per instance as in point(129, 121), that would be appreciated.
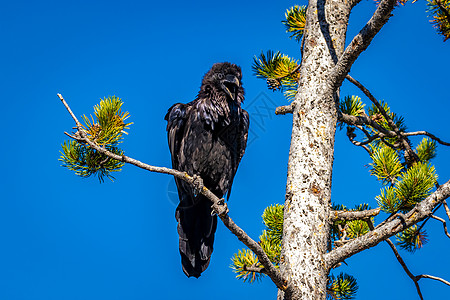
point(308, 189)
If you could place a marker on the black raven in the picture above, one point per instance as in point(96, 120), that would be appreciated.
point(207, 138)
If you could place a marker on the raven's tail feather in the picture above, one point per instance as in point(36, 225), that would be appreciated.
point(196, 228)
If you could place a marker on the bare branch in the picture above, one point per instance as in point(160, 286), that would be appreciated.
point(353, 215)
point(219, 206)
point(433, 137)
point(432, 277)
point(286, 109)
point(389, 228)
point(402, 262)
point(443, 223)
point(360, 42)
point(70, 111)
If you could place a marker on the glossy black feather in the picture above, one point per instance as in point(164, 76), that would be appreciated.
point(207, 137)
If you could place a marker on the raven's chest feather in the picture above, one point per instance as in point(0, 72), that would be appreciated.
point(211, 151)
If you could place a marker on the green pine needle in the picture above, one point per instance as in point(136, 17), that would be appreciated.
point(357, 228)
point(271, 246)
point(352, 105)
point(295, 21)
point(426, 150)
point(386, 164)
point(279, 70)
point(109, 123)
point(415, 184)
point(247, 258)
point(86, 161)
point(342, 287)
point(388, 201)
point(412, 239)
point(273, 219)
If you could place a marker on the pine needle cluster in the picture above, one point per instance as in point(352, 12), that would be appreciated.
point(280, 71)
point(342, 287)
point(351, 105)
point(440, 10)
point(270, 241)
point(403, 187)
point(105, 129)
point(412, 238)
point(295, 21)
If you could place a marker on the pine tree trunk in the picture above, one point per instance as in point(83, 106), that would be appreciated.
point(308, 189)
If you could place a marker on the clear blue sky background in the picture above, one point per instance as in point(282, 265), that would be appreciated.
point(64, 237)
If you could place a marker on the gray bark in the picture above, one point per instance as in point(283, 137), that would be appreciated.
point(308, 190)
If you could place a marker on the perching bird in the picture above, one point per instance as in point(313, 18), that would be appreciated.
point(207, 137)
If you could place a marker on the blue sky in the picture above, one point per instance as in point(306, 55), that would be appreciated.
point(65, 237)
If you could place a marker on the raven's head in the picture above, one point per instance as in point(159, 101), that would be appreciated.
point(224, 79)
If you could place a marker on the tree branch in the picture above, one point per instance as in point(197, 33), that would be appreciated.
point(447, 210)
point(404, 140)
point(427, 134)
point(219, 206)
point(360, 42)
point(353, 215)
point(389, 228)
point(433, 277)
point(443, 223)
point(365, 120)
point(402, 262)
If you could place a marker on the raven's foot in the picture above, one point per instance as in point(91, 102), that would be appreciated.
point(220, 207)
point(197, 182)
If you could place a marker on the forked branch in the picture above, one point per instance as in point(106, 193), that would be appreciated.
point(403, 264)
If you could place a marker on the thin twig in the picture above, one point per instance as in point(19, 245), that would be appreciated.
point(365, 120)
point(402, 262)
point(405, 143)
point(447, 210)
point(443, 223)
point(219, 206)
point(432, 136)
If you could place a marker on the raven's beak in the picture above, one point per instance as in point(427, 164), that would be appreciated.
point(230, 85)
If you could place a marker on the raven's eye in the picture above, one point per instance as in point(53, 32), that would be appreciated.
point(220, 76)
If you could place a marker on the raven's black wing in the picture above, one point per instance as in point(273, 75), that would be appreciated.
point(196, 225)
point(176, 120)
point(241, 141)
